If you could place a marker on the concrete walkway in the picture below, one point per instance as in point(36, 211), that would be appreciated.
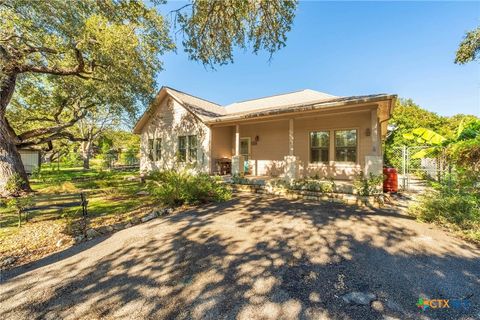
point(252, 258)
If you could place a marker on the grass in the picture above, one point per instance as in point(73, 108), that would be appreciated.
point(111, 199)
point(453, 203)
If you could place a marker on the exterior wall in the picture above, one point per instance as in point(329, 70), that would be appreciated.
point(170, 121)
point(222, 144)
point(337, 170)
point(268, 154)
point(30, 159)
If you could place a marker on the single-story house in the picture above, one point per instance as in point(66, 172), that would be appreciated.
point(292, 135)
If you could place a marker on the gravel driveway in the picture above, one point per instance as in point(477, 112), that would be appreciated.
point(253, 258)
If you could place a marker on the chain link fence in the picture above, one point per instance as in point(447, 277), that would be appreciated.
point(416, 164)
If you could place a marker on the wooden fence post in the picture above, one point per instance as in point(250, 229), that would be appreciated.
point(84, 204)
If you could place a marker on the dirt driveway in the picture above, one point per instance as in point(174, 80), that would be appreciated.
point(253, 258)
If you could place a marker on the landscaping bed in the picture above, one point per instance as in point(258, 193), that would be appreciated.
point(350, 199)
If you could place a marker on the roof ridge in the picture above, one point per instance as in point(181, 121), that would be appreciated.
point(274, 95)
point(191, 95)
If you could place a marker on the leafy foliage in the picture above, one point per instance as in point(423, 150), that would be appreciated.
point(455, 201)
point(322, 186)
point(19, 204)
point(406, 117)
point(213, 28)
point(469, 48)
point(14, 184)
point(425, 136)
point(174, 188)
point(75, 60)
point(368, 185)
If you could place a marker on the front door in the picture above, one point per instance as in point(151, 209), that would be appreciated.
point(245, 149)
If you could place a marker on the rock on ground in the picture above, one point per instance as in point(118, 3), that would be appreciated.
point(92, 233)
point(361, 298)
point(7, 261)
point(61, 242)
point(149, 216)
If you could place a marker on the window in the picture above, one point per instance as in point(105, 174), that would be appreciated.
point(182, 148)
point(192, 148)
point(150, 149)
point(158, 149)
point(319, 145)
point(346, 145)
point(187, 148)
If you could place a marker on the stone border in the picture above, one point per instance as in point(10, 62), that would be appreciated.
point(376, 201)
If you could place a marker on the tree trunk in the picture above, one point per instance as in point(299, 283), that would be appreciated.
point(86, 150)
point(10, 160)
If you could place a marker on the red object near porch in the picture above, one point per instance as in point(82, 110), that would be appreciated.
point(390, 181)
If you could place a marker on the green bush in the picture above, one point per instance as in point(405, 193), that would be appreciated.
point(174, 188)
point(322, 186)
point(368, 185)
point(455, 200)
point(14, 184)
point(129, 157)
point(240, 179)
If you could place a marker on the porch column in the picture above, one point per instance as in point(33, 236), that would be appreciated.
point(237, 159)
point(374, 161)
point(291, 162)
point(374, 132)
point(290, 137)
point(237, 140)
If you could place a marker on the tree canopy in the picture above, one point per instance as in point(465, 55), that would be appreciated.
point(469, 49)
point(64, 59)
point(212, 29)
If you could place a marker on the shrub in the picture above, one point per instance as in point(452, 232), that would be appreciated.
point(14, 184)
point(368, 185)
point(129, 157)
point(19, 204)
point(174, 188)
point(322, 186)
point(456, 201)
point(240, 179)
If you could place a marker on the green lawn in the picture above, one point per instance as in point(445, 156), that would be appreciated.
point(112, 199)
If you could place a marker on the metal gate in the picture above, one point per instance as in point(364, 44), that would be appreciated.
point(417, 164)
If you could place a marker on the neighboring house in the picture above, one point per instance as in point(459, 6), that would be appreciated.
point(292, 135)
point(30, 158)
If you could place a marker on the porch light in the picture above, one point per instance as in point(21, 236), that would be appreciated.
point(368, 132)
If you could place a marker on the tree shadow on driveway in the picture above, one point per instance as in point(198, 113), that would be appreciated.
point(255, 258)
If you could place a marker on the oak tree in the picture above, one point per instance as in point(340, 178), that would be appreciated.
point(107, 54)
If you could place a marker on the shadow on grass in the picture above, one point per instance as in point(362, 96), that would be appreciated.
point(50, 259)
point(255, 258)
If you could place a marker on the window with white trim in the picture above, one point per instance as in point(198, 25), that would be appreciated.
point(319, 146)
point(192, 148)
point(187, 148)
point(346, 145)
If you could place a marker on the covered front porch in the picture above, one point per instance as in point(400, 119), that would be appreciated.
point(323, 145)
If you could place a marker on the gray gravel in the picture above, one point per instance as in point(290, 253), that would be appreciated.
point(252, 258)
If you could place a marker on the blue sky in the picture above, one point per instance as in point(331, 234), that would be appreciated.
point(351, 48)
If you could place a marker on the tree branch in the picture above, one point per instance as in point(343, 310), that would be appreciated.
point(55, 136)
point(43, 131)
